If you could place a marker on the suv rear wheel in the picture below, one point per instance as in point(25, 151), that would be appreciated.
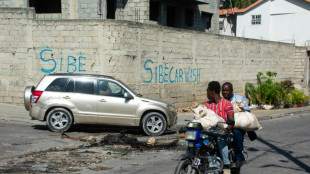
point(59, 119)
point(154, 124)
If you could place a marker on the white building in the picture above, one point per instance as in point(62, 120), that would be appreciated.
point(275, 20)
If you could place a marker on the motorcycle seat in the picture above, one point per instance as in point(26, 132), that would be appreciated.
point(216, 131)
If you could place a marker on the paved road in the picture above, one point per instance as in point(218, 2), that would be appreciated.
point(19, 138)
point(283, 147)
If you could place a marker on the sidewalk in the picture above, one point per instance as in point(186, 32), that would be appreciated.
point(14, 113)
point(19, 113)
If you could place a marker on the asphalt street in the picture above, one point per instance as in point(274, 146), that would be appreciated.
point(282, 146)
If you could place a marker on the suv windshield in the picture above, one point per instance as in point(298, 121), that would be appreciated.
point(129, 88)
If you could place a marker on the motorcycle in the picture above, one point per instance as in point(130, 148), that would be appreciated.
point(202, 155)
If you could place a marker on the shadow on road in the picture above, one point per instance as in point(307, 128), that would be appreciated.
point(286, 154)
point(40, 127)
point(102, 129)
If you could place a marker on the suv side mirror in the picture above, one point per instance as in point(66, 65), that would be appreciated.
point(128, 96)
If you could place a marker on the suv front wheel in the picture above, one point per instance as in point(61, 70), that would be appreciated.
point(154, 124)
point(59, 120)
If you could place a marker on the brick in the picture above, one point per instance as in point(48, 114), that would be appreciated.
point(7, 99)
point(117, 50)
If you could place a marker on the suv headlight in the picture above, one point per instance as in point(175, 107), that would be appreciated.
point(171, 108)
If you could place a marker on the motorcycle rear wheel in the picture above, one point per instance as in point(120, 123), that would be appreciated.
point(183, 167)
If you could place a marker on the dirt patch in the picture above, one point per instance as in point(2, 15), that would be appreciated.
point(86, 156)
point(59, 161)
point(188, 109)
point(123, 139)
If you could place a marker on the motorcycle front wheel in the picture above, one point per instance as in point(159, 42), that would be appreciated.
point(184, 167)
point(235, 171)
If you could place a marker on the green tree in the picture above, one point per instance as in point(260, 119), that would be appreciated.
point(238, 3)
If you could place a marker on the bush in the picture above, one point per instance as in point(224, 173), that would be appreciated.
point(268, 91)
point(285, 88)
point(299, 97)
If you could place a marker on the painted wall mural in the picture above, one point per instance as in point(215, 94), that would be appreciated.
point(169, 74)
point(70, 64)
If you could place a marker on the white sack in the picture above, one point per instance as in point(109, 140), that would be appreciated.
point(246, 121)
point(207, 117)
point(238, 105)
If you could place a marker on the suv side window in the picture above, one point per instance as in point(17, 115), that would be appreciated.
point(70, 86)
point(108, 88)
point(85, 86)
point(57, 85)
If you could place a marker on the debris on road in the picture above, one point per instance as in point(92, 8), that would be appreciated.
point(53, 148)
point(78, 138)
point(151, 141)
point(123, 139)
point(134, 164)
point(85, 156)
point(99, 168)
point(92, 140)
point(188, 109)
point(60, 161)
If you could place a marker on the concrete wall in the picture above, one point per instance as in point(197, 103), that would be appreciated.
point(172, 64)
point(14, 3)
point(212, 8)
point(128, 10)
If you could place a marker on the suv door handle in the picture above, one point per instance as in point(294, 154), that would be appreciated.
point(67, 97)
point(102, 100)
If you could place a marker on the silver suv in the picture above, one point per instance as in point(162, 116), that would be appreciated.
point(65, 99)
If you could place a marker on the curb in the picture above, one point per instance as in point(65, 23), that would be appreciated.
point(262, 118)
point(274, 116)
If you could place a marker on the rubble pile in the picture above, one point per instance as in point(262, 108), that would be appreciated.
point(135, 143)
point(90, 154)
point(121, 138)
point(58, 161)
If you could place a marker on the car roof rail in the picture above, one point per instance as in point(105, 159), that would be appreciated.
point(84, 75)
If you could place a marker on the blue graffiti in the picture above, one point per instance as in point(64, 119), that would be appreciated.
point(166, 74)
point(71, 62)
point(47, 60)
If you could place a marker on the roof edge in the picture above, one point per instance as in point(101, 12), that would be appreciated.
point(235, 10)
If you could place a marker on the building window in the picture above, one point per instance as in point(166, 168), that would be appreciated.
point(206, 20)
point(154, 11)
point(256, 19)
point(111, 8)
point(189, 17)
point(31, 3)
point(221, 25)
point(46, 6)
point(171, 16)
